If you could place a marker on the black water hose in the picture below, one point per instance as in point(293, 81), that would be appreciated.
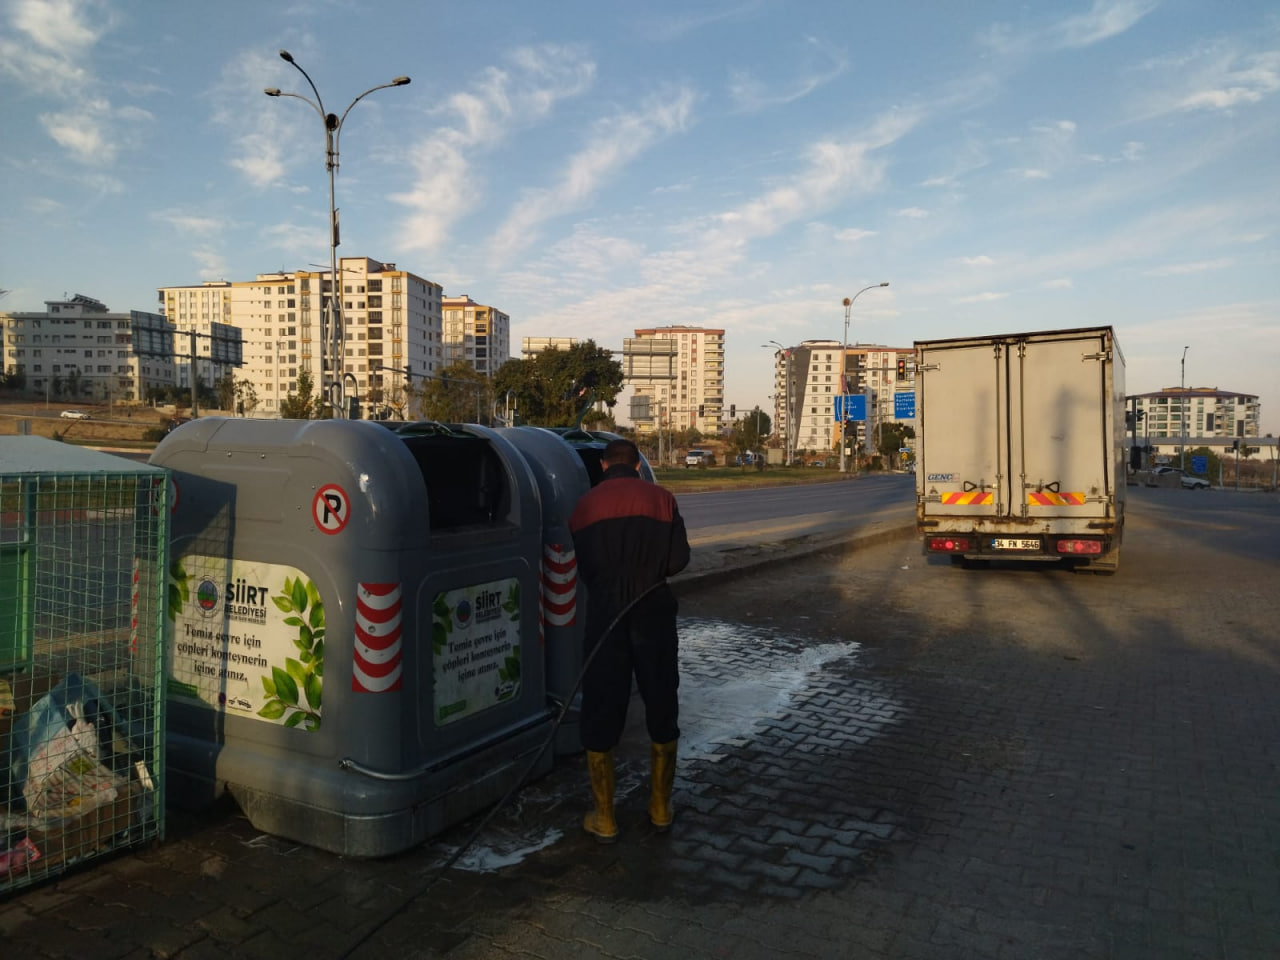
point(520, 781)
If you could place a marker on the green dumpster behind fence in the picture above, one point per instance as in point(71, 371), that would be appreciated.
point(83, 543)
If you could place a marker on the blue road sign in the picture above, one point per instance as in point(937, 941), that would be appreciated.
point(853, 406)
point(1200, 465)
point(904, 405)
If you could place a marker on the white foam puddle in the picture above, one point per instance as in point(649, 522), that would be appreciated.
point(734, 679)
point(502, 852)
point(716, 713)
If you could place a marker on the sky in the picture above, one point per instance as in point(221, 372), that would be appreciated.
point(591, 168)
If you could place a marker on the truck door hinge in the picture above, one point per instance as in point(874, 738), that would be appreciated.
point(1105, 355)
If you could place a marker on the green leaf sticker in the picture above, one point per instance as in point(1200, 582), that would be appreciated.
point(286, 688)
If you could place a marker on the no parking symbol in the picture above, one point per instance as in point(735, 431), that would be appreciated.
point(331, 508)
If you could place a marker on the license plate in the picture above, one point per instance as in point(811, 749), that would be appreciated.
point(1014, 543)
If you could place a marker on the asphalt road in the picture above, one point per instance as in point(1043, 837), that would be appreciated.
point(771, 514)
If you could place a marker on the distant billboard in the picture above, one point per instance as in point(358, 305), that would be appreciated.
point(645, 360)
point(152, 334)
point(225, 344)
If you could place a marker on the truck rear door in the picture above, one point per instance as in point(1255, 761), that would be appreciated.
point(1060, 447)
point(962, 391)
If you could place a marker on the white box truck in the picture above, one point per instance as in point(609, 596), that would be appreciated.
point(1020, 447)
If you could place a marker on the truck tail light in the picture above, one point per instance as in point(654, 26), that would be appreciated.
point(949, 544)
point(1079, 547)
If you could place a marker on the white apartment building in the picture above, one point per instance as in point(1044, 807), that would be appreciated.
point(1196, 413)
point(695, 395)
point(205, 310)
point(475, 333)
point(390, 330)
point(79, 351)
point(807, 380)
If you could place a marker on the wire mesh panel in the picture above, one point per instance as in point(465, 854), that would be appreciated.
point(83, 543)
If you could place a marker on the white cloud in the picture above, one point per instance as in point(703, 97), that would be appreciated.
point(502, 100)
point(981, 298)
point(833, 169)
point(259, 127)
point(1032, 173)
point(210, 263)
point(913, 213)
point(49, 53)
point(1183, 269)
point(1105, 19)
point(82, 134)
point(1058, 283)
point(1232, 81)
point(979, 261)
point(297, 239)
point(189, 223)
point(617, 142)
point(853, 234)
point(57, 25)
point(749, 94)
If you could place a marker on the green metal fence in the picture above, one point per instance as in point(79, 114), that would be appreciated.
point(83, 543)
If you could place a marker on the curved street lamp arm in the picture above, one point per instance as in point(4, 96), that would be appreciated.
point(287, 57)
point(273, 92)
point(337, 129)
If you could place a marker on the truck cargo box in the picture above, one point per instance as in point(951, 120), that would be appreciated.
point(1020, 447)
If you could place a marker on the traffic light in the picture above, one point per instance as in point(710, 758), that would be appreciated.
point(733, 410)
point(1235, 445)
point(902, 369)
point(702, 409)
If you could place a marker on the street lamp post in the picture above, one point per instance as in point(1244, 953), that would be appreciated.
point(331, 340)
point(786, 400)
point(1182, 402)
point(844, 362)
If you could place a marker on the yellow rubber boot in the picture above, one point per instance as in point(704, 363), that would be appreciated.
point(600, 822)
point(662, 763)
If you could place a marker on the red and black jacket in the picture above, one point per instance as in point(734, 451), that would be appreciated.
point(628, 535)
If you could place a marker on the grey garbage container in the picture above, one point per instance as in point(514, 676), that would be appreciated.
point(353, 643)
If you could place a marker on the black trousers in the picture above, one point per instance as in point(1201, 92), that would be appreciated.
point(643, 644)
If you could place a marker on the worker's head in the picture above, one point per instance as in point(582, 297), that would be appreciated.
point(621, 452)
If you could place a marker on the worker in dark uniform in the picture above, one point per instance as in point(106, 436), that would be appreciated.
point(629, 537)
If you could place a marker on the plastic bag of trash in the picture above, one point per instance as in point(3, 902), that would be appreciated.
point(56, 754)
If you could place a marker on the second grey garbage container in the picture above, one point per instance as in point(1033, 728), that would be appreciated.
point(353, 642)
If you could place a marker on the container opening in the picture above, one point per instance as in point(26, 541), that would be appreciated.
point(466, 482)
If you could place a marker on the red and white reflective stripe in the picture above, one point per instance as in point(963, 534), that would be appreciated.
point(558, 602)
point(1049, 499)
point(377, 652)
point(973, 499)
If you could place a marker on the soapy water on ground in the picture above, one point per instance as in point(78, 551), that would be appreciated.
point(736, 682)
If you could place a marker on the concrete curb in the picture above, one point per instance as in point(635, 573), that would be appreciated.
point(737, 563)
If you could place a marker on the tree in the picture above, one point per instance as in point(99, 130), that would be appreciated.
point(459, 394)
point(893, 437)
point(555, 388)
point(746, 431)
point(225, 390)
point(246, 397)
point(300, 405)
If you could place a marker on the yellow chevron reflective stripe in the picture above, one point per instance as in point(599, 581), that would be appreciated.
point(972, 499)
point(1055, 499)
